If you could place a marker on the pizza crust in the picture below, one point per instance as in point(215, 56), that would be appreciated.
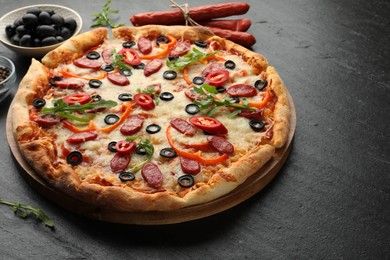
point(39, 149)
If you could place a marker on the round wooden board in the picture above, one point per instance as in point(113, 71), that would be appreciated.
point(243, 192)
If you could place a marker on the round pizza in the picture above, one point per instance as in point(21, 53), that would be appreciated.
point(155, 118)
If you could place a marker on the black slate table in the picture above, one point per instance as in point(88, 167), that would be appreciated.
point(331, 200)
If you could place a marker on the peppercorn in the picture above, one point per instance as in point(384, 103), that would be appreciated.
point(4, 73)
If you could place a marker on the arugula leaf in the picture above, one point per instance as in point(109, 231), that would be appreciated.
point(118, 61)
point(146, 145)
point(190, 58)
point(210, 103)
point(25, 211)
point(103, 19)
point(64, 110)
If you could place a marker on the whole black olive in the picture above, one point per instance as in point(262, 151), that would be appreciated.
point(10, 30)
point(44, 31)
point(26, 41)
point(30, 19)
point(15, 39)
point(49, 41)
point(57, 19)
point(44, 18)
point(65, 33)
point(34, 10)
point(70, 23)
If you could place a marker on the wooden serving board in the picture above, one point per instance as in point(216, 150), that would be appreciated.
point(243, 192)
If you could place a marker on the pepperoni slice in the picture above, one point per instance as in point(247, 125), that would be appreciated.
point(212, 67)
point(132, 125)
point(220, 144)
point(87, 63)
point(71, 83)
point(183, 126)
point(82, 137)
point(242, 90)
point(180, 49)
point(152, 67)
point(152, 175)
point(118, 79)
point(107, 55)
point(189, 166)
point(257, 114)
point(119, 162)
point(193, 96)
point(144, 45)
point(47, 120)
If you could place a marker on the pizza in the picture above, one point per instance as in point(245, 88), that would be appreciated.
point(154, 118)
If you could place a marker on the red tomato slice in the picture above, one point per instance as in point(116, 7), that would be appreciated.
point(125, 146)
point(209, 125)
point(217, 78)
point(144, 101)
point(79, 98)
point(131, 56)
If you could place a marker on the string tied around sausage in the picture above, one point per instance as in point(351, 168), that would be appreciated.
point(186, 13)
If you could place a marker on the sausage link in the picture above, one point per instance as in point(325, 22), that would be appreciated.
point(242, 38)
point(201, 13)
point(239, 25)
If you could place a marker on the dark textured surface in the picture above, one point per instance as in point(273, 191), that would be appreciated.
point(331, 200)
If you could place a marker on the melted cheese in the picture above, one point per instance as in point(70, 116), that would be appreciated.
point(240, 134)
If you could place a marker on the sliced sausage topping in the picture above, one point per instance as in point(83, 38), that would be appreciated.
point(82, 137)
point(183, 126)
point(87, 63)
point(132, 125)
point(119, 162)
point(220, 144)
point(144, 45)
point(242, 90)
point(189, 166)
point(118, 79)
point(152, 175)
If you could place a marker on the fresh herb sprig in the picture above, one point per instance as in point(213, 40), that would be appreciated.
point(65, 110)
point(103, 19)
point(190, 58)
point(118, 61)
point(146, 145)
point(25, 211)
point(211, 104)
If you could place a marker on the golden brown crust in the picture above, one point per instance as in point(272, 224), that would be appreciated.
point(40, 150)
point(75, 47)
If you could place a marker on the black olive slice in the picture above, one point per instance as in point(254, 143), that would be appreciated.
point(96, 98)
point(39, 103)
point(229, 64)
point(140, 66)
point(170, 74)
point(166, 96)
point(112, 146)
point(235, 100)
point(172, 58)
point(168, 153)
point(257, 125)
point(95, 83)
point(192, 109)
point(221, 89)
point(53, 81)
point(126, 73)
point(111, 119)
point(198, 80)
point(140, 150)
point(260, 84)
point(126, 176)
point(128, 44)
point(201, 44)
point(74, 158)
point(93, 55)
point(108, 68)
point(125, 97)
point(162, 40)
point(186, 181)
point(153, 128)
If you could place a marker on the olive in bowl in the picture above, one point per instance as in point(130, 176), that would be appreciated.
point(37, 29)
point(7, 76)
